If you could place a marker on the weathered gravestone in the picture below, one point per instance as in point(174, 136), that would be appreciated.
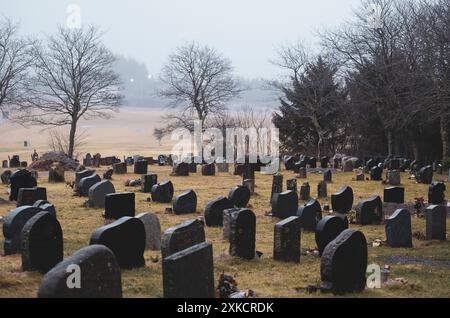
point(126, 239)
point(5, 164)
point(291, 185)
point(370, 211)
point(249, 184)
point(436, 193)
point(28, 196)
point(152, 231)
point(79, 176)
point(286, 242)
point(86, 183)
point(99, 276)
point(20, 179)
point(284, 204)
point(305, 191)
point(118, 205)
point(140, 167)
point(322, 190)
point(426, 175)
point(309, 214)
point(436, 224)
point(162, 192)
point(185, 203)
point(239, 196)
point(327, 230)
point(120, 168)
point(342, 201)
point(327, 176)
point(343, 263)
point(223, 167)
point(98, 192)
point(189, 273)
point(393, 177)
point(13, 225)
point(209, 170)
point(181, 169)
point(214, 211)
point(41, 243)
point(183, 236)
point(56, 173)
point(6, 175)
point(398, 229)
point(302, 174)
point(376, 173)
point(277, 185)
point(242, 234)
point(394, 195)
point(148, 181)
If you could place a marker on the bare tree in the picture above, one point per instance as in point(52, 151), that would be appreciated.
point(59, 141)
point(73, 79)
point(14, 61)
point(199, 82)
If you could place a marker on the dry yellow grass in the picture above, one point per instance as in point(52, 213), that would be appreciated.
point(265, 276)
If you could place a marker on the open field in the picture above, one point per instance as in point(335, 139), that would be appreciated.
point(265, 276)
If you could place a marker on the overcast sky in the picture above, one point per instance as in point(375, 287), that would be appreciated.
point(246, 31)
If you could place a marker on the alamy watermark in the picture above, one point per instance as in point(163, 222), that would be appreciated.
point(73, 19)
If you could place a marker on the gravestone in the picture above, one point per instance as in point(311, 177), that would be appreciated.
point(56, 173)
point(328, 176)
point(289, 163)
point(14, 162)
point(181, 169)
point(41, 243)
point(242, 234)
point(34, 174)
point(108, 174)
point(185, 203)
point(6, 175)
point(183, 236)
point(348, 166)
point(118, 205)
point(393, 177)
point(86, 183)
point(305, 191)
point(342, 201)
point(394, 195)
point(214, 211)
point(248, 172)
point(286, 242)
point(162, 192)
point(285, 204)
point(436, 193)
point(5, 164)
point(394, 164)
point(312, 162)
point(223, 167)
point(327, 230)
point(322, 190)
point(398, 229)
point(360, 177)
point(291, 185)
point(192, 167)
point(249, 184)
point(426, 175)
point(126, 239)
point(209, 170)
point(28, 196)
point(120, 168)
point(239, 196)
point(376, 173)
point(370, 211)
point(80, 175)
point(99, 276)
point(189, 273)
point(324, 162)
point(46, 206)
point(238, 169)
point(152, 231)
point(140, 167)
point(148, 181)
point(302, 174)
point(20, 179)
point(277, 185)
point(343, 263)
point(436, 224)
point(227, 221)
point(88, 160)
point(98, 192)
point(13, 224)
point(309, 214)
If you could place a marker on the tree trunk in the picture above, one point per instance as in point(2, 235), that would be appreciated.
point(390, 140)
point(445, 138)
point(72, 134)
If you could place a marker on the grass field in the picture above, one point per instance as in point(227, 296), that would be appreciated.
point(265, 276)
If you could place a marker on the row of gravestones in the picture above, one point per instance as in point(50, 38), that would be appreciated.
point(14, 162)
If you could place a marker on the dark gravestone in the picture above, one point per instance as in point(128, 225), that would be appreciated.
point(148, 181)
point(376, 174)
point(309, 215)
point(284, 204)
point(192, 167)
point(249, 171)
point(56, 173)
point(227, 221)
point(436, 193)
point(80, 175)
point(327, 230)
point(162, 192)
point(98, 192)
point(6, 175)
point(209, 170)
point(14, 162)
point(126, 239)
point(239, 196)
point(140, 167)
point(302, 173)
point(398, 229)
point(370, 211)
point(327, 176)
point(426, 175)
point(20, 179)
point(291, 185)
point(152, 231)
point(277, 185)
point(214, 211)
point(86, 183)
point(305, 191)
point(183, 236)
point(324, 162)
point(13, 225)
point(108, 174)
point(181, 169)
point(343, 263)
point(394, 164)
point(185, 203)
point(238, 169)
point(312, 162)
point(286, 242)
point(394, 195)
point(342, 201)
point(28, 196)
point(41, 243)
point(242, 234)
point(120, 168)
point(436, 224)
point(99, 276)
point(322, 191)
point(289, 163)
point(5, 164)
point(44, 205)
point(189, 273)
point(118, 205)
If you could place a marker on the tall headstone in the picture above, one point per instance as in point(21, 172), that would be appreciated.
point(305, 191)
point(214, 211)
point(398, 229)
point(277, 185)
point(183, 236)
point(152, 231)
point(286, 243)
point(394, 195)
point(376, 173)
point(185, 203)
point(327, 175)
point(20, 179)
point(284, 204)
point(148, 181)
point(327, 230)
point(342, 201)
point(118, 205)
point(309, 214)
point(98, 192)
point(242, 234)
point(436, 222)
point(322, 190)
point(426, 175)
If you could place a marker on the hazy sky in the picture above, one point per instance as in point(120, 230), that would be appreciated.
point(246, 31)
